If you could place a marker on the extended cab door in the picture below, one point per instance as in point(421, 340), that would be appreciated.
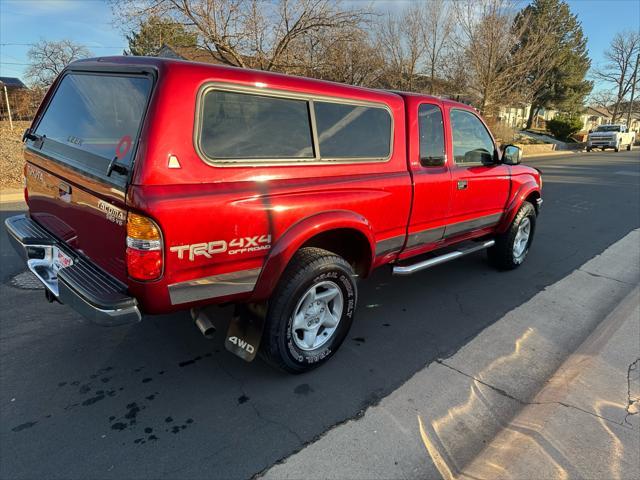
point(430, 172)
point(480, 185)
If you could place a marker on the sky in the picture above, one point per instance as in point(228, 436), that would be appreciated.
point(90, 22)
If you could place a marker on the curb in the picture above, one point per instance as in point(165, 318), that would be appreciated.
point(552, 154)
point(11, 195)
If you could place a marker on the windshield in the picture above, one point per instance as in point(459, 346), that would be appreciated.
point(608, 128)
point(94, 118)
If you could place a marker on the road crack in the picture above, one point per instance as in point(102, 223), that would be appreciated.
point(598, 275)
point(504, 393)
point(631, 401)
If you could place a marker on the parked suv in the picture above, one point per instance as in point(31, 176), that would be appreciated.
point(159, 185)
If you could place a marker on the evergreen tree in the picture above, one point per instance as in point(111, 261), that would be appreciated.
point(155, 32)
point(563, 85)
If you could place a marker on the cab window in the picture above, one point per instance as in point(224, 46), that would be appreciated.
point(472, 144)
point(431, 130)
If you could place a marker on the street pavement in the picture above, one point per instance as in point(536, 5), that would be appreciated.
point(158, 400)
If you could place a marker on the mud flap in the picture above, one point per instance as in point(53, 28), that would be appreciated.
point(244, 333)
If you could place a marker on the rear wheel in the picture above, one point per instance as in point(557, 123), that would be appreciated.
point(630, 147)
point(311, 311)
point(512, 246)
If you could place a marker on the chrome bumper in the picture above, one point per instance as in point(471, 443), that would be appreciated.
point(96, 295)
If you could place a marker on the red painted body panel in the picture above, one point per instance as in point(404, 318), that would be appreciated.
point(287, 204)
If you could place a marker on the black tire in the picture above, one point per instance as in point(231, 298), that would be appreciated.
point(502, 254)
point(616, 148)
point(309, 267)
point(630, 147)
point(588, 149)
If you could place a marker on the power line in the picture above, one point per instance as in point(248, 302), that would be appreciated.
point(34, 44)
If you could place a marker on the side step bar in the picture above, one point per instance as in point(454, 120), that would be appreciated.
point(432, 262)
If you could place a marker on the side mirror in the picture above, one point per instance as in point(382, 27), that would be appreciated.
point(511, 155)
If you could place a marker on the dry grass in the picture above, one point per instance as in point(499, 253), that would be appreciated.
point(11, 159)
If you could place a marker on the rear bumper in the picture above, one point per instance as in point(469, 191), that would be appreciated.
point(83, 286)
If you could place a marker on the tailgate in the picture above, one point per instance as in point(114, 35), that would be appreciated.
point(79, 156)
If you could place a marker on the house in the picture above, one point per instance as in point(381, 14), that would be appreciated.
point(516, 116)
point(594, 116)
point(193, 54)
point(12, 83)
point(12, 91)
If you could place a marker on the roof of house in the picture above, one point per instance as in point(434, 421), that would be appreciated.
point(12, 82)
point(193, 54)
point(598, 111)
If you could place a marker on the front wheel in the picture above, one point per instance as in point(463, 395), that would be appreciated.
point(311, 311)
point(617, 148)
point(512, 246)
point(630, 147)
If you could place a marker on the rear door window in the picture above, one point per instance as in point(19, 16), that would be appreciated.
point(352, 131)
point(240, 126)
point(431, 135)
point(93, 118)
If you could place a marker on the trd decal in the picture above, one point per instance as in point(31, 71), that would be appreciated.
point(233, 247)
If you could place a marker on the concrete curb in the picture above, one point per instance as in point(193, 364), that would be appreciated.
point(441, 419)
point(551, 154)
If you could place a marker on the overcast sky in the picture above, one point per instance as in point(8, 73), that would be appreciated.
point(89, 22)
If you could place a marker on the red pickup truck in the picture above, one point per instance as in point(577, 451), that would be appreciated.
point(158, 185)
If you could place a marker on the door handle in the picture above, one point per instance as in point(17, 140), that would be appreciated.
point(462, 185)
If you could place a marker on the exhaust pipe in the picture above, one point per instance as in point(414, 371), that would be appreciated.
point(203, 322)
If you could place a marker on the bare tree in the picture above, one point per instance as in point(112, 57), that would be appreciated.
point(347, 56)
point(602, 99)
point(47, 59)
point(621, 59)
point(248, 33)
point(437, 26)
point(400, 38)
point(499, 66)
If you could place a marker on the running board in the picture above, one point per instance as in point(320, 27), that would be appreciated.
point(432, 262)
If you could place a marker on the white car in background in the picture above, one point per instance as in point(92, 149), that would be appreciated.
point(611, 136)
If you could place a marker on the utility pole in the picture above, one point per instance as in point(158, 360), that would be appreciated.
point(633, 91)
point(6, 97)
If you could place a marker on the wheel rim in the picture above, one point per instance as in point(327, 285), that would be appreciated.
point(317, 315)
point(522, 239)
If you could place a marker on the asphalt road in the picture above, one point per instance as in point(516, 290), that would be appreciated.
point(157, 400)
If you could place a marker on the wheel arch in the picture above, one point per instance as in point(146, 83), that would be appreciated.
point(342, 232)
point(528, 192)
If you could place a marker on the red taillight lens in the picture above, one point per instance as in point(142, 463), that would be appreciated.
point(144, 265)
point(144, 248)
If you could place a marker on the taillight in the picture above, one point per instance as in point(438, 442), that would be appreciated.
point(144, 248)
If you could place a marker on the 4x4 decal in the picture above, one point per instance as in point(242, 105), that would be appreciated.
point(235, 246)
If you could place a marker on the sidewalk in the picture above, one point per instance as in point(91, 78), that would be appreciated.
point(460, 417)
point(584, 423)
point(11, 195)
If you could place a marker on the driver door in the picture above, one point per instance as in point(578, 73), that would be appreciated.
point(480, 185)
